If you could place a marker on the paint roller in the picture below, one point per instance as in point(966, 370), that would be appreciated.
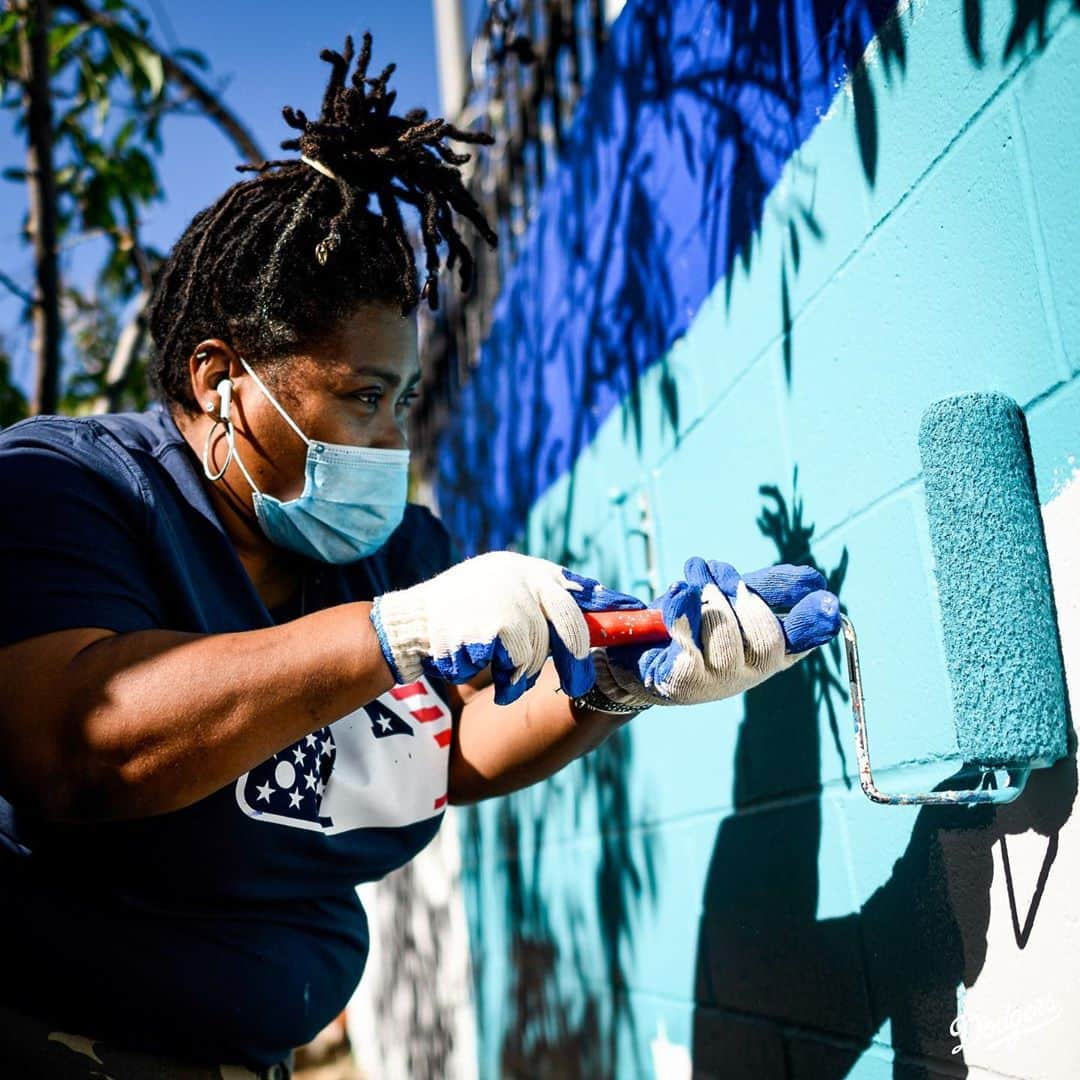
point(997, 610)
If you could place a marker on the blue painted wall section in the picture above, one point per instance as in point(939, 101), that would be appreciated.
point(896, 226)
point(693, 113)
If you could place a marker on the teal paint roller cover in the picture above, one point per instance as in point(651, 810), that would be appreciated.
point(997, 608)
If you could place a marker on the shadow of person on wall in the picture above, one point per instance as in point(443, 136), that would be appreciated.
point(781, 993)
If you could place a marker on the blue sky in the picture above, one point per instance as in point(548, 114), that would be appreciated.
point(266, 54)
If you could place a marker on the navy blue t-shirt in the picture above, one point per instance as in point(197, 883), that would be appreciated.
point(229, 930)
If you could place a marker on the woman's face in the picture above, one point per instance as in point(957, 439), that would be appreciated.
point(354, 389)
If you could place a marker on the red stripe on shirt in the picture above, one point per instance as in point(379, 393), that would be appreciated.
point(440, 802)
point(411, 690)
point(425, 716)
point(443, 737)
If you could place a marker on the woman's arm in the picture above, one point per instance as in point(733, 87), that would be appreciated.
point(500, 748)
point(96, 725)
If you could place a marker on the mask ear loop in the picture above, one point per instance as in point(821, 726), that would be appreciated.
point(274, 401)
point(224, 388)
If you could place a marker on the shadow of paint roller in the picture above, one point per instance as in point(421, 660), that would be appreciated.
point(997, 609)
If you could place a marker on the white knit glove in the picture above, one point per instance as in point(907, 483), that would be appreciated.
point(504, 609)
point(724, 637)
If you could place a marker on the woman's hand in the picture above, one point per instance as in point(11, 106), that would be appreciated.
point(502, 609)
point(724, 637)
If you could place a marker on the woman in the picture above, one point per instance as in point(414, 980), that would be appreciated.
point(241, 674)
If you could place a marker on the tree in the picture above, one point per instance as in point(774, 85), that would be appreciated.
point(90, 88)
point(12, 402)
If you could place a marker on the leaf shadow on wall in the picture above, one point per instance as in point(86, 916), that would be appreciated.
point(1028, 30)
point(692, 116)
point(535, 403)
point(737, 123)
point(781, 993)
point(569, 916)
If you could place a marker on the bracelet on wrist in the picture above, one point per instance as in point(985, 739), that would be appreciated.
point(598, 701)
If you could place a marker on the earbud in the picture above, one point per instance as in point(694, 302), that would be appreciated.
point(224, 391)
point(224, 388)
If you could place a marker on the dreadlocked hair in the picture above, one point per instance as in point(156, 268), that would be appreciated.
point(280, 260)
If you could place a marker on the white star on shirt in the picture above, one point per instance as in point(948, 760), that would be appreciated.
point(320, 787)
point(294, 798)
point(327, 746)
point(384, 723)
point(298, 756)
point(264, 791)
point(311, 740)
point(310, 778)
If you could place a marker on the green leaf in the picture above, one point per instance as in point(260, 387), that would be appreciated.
point(13, 405)
point(153, 132)
point(151, 65)
point(119, 48)
point(102, 111)
point(10, 64)
point(9, 20)
point(69, 120)
point(142, 23)
point(61, 36)
point(124, 134)
point(141, 179)
point(95, 210)
point(92, 82)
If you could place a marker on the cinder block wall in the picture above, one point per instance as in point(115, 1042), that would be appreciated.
point(738, 296)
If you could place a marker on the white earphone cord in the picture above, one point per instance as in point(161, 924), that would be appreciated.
point(225, 420)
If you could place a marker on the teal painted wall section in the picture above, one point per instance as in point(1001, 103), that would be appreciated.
point(712, 880)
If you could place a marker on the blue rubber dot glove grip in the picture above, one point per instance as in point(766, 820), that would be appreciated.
point(812, 613)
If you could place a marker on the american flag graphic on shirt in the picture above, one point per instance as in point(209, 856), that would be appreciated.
point(383, 765)
point(291, 783)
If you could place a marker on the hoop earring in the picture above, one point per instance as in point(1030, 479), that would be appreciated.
point(230, 438)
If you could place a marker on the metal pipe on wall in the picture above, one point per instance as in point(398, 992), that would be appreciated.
point(450, 53)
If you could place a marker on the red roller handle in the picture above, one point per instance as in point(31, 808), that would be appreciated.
point(644, 626)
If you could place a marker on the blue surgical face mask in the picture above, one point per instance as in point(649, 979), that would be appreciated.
point(353, 497)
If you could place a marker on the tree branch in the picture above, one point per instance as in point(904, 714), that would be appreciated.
point(18, 290)
point(42, 225)
point(127, 349)
point(209, 103)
